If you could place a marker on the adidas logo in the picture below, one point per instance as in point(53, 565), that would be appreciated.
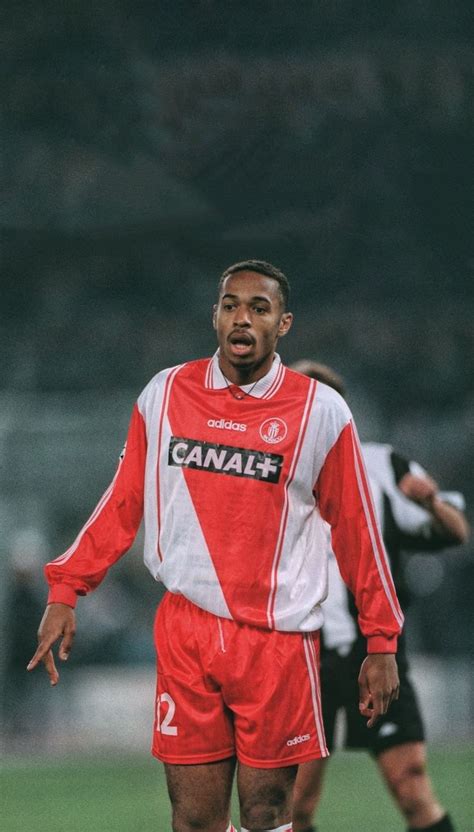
point(224, 424)
point(297, 740)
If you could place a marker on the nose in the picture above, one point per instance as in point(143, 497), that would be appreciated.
point(242, 317)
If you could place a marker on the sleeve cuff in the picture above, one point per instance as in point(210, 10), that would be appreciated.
point(381, 644)
point(62, 594)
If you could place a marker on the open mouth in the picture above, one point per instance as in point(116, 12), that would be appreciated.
point(241, 343)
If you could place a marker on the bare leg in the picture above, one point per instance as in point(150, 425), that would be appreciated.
point(265, 796)
point(404, 770)
point(307, 793)
point(200, 795)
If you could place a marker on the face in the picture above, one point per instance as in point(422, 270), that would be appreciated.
point(249, 319)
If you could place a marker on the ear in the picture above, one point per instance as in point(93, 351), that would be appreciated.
point(285, 323)
point(214, 316)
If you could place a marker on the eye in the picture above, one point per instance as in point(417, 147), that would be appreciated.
point(260, 310)
point(228, 306)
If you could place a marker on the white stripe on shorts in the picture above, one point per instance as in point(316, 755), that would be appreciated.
point(313, 672)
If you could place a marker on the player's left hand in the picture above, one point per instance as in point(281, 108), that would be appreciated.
point(379, 685)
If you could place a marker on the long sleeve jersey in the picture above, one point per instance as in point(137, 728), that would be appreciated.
point(237, 487)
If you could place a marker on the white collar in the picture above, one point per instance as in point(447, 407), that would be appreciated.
point(265, 387)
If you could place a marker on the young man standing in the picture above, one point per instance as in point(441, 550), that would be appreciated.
point(238, 464)
point(414, 515)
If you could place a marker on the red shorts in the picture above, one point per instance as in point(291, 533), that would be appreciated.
point(226, 689)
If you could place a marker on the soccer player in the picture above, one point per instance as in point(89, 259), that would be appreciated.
point(238, 464)
point(414, 515)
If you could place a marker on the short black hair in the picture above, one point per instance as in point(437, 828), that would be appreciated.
point(260, 267)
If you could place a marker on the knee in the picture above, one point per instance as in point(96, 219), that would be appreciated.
point(197, 820)
point(307, 792)
point(265, 809)
point(302, 815)
point(304, 805)
point(409, 787)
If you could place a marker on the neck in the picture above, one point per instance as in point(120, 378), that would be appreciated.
point(245, 375)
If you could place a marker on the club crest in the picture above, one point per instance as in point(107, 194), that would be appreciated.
point(273, 431)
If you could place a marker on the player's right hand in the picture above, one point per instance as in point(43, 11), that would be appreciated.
point(58, 620)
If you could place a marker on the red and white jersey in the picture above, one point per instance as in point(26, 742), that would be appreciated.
point(237, 486)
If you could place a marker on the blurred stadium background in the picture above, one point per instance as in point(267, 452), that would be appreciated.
point(145, 147)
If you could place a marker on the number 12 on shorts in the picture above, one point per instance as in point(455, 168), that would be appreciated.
point(163, 724)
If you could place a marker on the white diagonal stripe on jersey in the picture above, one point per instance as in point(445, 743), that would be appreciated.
point(196, 579)
point(284, 514)
point(149, 401)
point(311, 663)
point(186, 567)
point(378, 547)
point(163, 415)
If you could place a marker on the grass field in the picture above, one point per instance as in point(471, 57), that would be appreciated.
point(129, 794)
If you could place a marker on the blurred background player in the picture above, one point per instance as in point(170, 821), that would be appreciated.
point(414, 516)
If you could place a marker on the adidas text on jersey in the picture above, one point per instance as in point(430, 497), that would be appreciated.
point(226, 424)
